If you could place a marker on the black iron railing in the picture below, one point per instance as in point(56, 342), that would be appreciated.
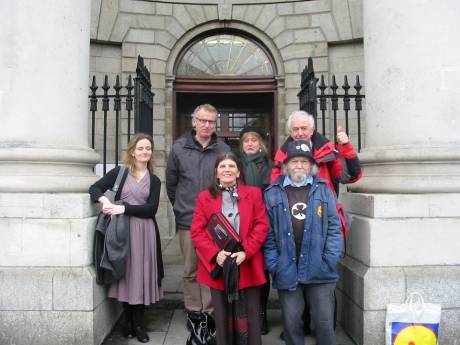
point(143, 107)
point(308, 99)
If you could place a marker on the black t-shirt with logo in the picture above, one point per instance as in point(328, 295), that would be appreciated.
point(297, 198)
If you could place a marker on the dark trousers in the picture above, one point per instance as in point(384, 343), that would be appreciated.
point(321, 302)
point(219, 302)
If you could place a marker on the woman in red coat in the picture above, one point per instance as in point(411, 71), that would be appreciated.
point(236, 312)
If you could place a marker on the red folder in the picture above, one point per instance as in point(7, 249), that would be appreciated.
point(222, 233)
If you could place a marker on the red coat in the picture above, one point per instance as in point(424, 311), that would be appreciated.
point(253, 231)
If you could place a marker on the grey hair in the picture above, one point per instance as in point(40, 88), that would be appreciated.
point(300, 113)
point(208, 107)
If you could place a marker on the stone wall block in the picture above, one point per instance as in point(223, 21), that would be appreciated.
point(123, 23)
point(159, 127)
point(197, 13)
point(296, 51)
point(109, 12)
point(158, 114)
point(129, 64)
point(308, 35)
point(267, 15)
point(284, 39)
point(141, 7)
point(351, 283)
point(450, 332)
point(356, 17)
point(159, 142)
point(159, 96)
point(276, 27)
point(325, 22)
point(292, 81)
point(174, 27)
point(373, 327)
point(285, 9)
point(157, 66)
point(108, 65)
point(81, 241)
point(164, 9)
point(26, 289)
point(128, 50)
point(73, 289)
point(321, 49)
point(183, 16)
point(104, 317)
point(312, 6)
point(291, 95)
point(383, 285)
point(150, 22)
point(342, 19)
point(46, 327)
point(437, 284)
point(350, 316)
point(140, 36)
point(165, 39)
point(12, 205)
point(158, 81)
point(298, 22)
point(211, 12)
point(402, 205)
point(253, 12)
point(160, 158)
point(292, 66)
point(95, 12)
point(153, 51)
point(238, 12)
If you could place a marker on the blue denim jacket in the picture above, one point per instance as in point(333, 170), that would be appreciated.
point(322, 241)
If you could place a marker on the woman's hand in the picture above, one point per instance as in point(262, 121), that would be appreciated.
point(221, 256)
point(116, 210)
point(109, 208)
point(240, 257)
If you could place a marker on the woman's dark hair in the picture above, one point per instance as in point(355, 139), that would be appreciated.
point(214, 188)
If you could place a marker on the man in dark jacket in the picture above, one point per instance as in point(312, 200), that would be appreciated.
point(189, 170)
point(304, 244)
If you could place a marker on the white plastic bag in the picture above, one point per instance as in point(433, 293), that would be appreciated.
point(413, 322)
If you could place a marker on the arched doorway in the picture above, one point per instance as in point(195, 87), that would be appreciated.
point(233, 72)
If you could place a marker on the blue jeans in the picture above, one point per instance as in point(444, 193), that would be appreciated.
point(321, 301)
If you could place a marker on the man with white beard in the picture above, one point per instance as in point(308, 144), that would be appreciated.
point(303, 245)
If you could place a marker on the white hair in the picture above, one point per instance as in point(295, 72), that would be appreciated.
point(300, 113)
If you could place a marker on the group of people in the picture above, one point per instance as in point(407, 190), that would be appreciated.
point(284, 212)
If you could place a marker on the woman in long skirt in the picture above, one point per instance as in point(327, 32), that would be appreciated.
point(137, 197)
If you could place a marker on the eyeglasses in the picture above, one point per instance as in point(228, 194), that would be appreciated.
point(205, 121)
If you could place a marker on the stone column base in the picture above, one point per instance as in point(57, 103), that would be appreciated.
point(54, 306)
point(48, 291)
point(399, 244)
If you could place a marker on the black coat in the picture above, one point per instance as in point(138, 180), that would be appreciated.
point(147, 210)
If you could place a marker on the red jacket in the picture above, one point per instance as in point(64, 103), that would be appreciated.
point(253, 231)
point(336, 165)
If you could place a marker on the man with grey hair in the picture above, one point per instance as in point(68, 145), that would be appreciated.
point(336, 164)
point(189, 171)
point(303, 245)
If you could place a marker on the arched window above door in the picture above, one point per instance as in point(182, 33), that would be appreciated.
point(224, 55)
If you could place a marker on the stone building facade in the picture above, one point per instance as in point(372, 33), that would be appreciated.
point(291, 31)
point(405, 209)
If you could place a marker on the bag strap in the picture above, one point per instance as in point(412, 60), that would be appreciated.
point(116, 186)
point(412, 299)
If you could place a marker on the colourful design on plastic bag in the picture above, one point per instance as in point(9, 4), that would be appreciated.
point(408, 333)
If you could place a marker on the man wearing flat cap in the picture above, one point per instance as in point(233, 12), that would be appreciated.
point(304, 244)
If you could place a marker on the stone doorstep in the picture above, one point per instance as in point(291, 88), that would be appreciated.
point(167, 327)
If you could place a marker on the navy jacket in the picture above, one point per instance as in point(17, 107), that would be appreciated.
point(322, 241)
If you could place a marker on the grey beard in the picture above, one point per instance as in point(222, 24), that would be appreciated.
point(298, 177)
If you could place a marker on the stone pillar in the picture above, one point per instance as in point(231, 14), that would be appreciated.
point(48, 293)
point(406, 222)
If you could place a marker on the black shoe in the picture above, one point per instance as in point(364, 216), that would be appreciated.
point(264, 324)
point(128, 330)
point(282, 336)
point(141, 335)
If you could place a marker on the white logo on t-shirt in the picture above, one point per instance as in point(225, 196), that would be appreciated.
point(298, 210)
